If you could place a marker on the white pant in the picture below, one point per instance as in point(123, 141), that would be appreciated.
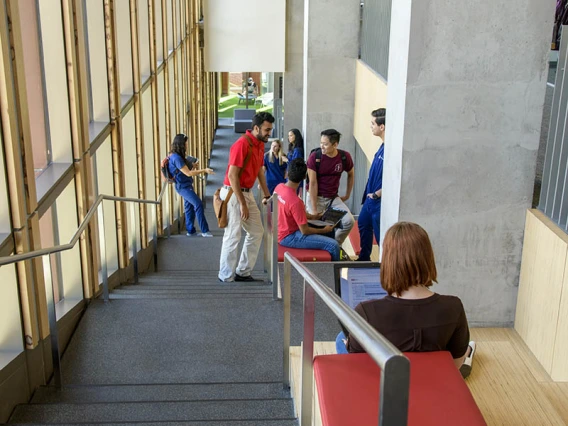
point(347, 222)
point(253, 239)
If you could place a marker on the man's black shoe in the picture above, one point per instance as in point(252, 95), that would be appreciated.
point(248, 278)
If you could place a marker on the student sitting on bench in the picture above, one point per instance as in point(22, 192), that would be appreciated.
point(412, 317)
point(293, 229)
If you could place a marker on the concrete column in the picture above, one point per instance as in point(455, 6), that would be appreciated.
point(294, 73)
point(465, 96)
point(331, 41)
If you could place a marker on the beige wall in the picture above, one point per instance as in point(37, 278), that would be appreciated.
point(370, 94)
point(542, 304)
point(234, 34)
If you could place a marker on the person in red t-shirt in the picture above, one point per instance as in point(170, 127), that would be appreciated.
point(242, 211)
point(293, 229)
point(324, 174)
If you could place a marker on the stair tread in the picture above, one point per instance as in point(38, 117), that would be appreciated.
point(225, 296)
point(237, 409)
point(230, 422)
point(159, 392)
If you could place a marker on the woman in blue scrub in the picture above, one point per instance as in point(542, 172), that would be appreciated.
point(183, 174)
point(295, 145)
point(275, 163)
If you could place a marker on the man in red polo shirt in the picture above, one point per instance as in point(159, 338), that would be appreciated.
point(242, 211)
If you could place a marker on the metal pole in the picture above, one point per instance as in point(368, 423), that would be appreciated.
point(133, 241)
point(274, 247)
point(168, 202)
point(265, 234)
point(50, 294)
point(155, 242)
point(104, 270)
point(306, 394)
point(286, 299)
point(393, 400)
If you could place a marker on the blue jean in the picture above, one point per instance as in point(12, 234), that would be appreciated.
point(369, 223)
point(313, 241)
point(193, 207)
point(340, 347)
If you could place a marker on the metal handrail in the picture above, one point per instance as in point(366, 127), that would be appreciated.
point(269, 214)
point(46, 252)
point(395, 367)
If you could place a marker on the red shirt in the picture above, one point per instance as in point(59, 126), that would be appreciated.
point(237, 155)
point(329, 174)
point(291, 211)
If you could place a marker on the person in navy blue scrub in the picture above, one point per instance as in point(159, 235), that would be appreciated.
point(370, 216)
point(275, 163)
point(183, 173)
point(295, 149)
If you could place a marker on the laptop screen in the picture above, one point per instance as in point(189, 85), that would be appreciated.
point(356, 282)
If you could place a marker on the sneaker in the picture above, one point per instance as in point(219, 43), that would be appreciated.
point(248, 278)
point(206, 234)
point(465, 368)
point(191, 235)
point(343, 256)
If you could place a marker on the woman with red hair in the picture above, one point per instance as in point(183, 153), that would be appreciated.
point(411, 316)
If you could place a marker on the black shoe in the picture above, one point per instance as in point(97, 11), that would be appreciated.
point(248, 278)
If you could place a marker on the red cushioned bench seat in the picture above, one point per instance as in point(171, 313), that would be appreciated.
point(355, 239)
point(348, 391)
point(304, 255)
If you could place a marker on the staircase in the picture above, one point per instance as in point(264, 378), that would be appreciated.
point(178, 348)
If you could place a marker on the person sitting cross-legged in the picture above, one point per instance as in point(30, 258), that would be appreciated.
point(293, 228)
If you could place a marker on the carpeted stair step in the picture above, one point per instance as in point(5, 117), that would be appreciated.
point(134, 412)
point(221, 289)
point(189, 295)
point(257, 422)
point(161, 392)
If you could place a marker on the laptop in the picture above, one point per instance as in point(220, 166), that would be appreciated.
point(357, 282)
point(331, 216)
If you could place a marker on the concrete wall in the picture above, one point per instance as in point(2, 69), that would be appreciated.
point(294, 74)
point(331, 40)
point(466, 92)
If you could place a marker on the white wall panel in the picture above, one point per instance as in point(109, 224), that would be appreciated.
point(245, 35)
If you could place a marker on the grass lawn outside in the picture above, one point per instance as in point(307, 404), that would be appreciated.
point(227, 104)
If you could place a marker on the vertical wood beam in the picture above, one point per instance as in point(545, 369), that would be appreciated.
point(79, 130)
point(14, 155)
point(155, 116)
point(140, 163)
point(166, 74)
point(116, 131)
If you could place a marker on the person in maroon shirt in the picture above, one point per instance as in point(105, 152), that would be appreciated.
point(242, 211)
point(412, 317)
point(325, 167)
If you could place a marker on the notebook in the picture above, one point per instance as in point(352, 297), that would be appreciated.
point(331, 216)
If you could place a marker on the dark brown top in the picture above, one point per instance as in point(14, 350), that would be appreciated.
point(436, 323)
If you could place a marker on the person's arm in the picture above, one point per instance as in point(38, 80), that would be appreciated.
point(458, 345)
point(378, 194)
point(353, 345)
point(313, 191)
point(350, 183)
point(185, 170)
point(263, 186)
point(305, 229)
point(236, 185)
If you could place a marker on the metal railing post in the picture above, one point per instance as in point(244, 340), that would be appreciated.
point(133, 242)
point(274, 246)
point(52, 315)
point(264, 210)
point(286, 296)
point(102, 239)
point(155, 236)
point(306, 394)
point(168, 203)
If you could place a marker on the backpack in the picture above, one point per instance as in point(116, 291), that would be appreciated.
point(165, 167)
point(318, 159)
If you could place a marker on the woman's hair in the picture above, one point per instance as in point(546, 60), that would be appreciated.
point(298, 141)
point(408, 258)
point(280, 153)
point(178, 145)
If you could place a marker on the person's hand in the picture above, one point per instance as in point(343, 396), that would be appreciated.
point(344, 198)
point(285, 159)
point(244, 211)
point(314, 216)
point(370, 195)
point(265, 200)
point(209, 171)
point(327, 229)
